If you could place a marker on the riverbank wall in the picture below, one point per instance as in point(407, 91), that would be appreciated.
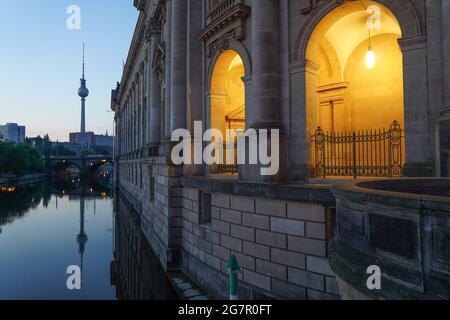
point(279, 234)
point(6, 181)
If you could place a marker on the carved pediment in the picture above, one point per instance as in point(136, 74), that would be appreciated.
point(223, 15)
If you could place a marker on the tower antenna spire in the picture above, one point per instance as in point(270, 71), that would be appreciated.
point(83, 60)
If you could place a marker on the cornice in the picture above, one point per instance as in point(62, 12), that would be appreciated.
point(149, 17)
point(224, 15)
point(140, 4)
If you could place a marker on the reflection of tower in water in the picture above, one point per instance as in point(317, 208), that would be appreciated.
point(82, 237)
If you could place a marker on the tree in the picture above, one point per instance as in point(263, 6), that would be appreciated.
point(47, 146)
point(19, 159)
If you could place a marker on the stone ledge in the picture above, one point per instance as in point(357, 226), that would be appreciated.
point(389, 192)
point(302, 193)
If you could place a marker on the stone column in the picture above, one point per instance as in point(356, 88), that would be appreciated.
point(417, 138)
point(265, 109)
point(139, 112)
point(154, 87)
point(126, 128)
point(303, 75)
point(167, 94)
point(444, 123)
point(195, 93)
point(446, 54)
point(178, 65)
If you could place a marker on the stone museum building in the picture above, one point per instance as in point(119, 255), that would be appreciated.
point(357, 89)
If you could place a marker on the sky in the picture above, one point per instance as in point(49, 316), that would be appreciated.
point(40, 63)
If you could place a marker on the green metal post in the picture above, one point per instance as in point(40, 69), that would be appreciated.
point(233, 270)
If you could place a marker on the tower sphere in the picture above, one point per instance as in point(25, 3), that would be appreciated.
point(83, 92)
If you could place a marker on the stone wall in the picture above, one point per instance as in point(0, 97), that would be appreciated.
point(280, 245)
point(402, 227)
point(156, 194)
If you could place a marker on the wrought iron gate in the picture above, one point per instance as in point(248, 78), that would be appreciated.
point(371, 153)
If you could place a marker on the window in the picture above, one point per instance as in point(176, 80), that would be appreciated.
point(140, 171)
point(204, 205)
point(135, 174)
point(152, 184)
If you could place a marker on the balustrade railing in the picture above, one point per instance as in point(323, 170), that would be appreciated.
point(221, 9)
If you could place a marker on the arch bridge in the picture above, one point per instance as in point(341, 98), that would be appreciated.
point(83, 163)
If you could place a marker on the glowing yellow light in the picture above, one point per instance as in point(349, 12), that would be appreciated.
point(370, 58)
point(8, 189)
point(236, 62)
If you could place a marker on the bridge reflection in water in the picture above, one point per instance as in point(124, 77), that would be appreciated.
point(42, 226)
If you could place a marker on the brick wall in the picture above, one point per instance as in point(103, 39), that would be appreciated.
point(280, 245)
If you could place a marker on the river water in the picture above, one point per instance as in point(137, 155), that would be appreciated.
point(49, 229)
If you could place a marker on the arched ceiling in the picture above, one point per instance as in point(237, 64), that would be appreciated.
point(350, 31)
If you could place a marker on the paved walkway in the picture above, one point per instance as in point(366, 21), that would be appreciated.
point(187, 289)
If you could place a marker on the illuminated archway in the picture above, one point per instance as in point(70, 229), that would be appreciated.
point(227, 94)
point(345, 93)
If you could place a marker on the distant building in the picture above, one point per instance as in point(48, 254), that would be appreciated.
point(86, 139)
point(90, 139)
point(12, 132)
point(33, 141)
point(104, 140)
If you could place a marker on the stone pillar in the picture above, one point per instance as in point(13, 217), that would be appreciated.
point(303, 76)
point(444, 123)
point(265, 109)
point(178, 68)
point(168, 58)
point(127, 127)
point(446, 54)
point(154, 88)
point(133, 117)
point(195, 93)
point(116, 147)
point(417, 138)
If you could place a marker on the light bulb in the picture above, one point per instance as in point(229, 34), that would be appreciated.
point(370, 58)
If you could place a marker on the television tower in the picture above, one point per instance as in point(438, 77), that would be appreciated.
point(83, 92)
